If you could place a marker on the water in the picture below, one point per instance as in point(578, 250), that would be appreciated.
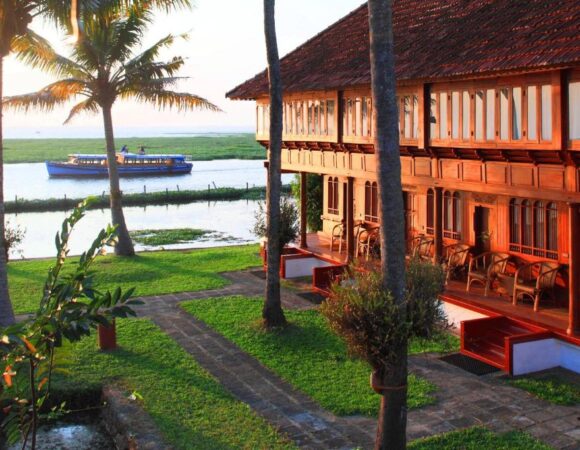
point(31, 181)
point(232, 220)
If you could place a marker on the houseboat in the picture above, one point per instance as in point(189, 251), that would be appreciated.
point(489, 120)
point(128, 164)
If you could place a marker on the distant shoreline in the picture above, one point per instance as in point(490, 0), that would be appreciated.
point(206, 147)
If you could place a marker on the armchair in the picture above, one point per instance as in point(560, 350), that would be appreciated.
point(535, 279)
point(485, 267)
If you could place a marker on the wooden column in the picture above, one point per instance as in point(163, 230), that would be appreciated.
point(303, 210)
point(574, 272)
point(438, 224)
point(350, 237)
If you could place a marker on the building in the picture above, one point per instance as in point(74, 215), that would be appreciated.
point(489, 95)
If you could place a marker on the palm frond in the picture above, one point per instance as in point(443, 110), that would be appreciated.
point(163, 99)
point(126, 34)
point(37, 52)
point(86, 106)
point(47, 98)
point(149, 55)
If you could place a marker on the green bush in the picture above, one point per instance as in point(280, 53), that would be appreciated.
point(315, 194)
point(289, 227)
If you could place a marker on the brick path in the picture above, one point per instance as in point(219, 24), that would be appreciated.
point(463, 399)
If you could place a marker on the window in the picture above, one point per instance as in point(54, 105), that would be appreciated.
point(451, 215)
point(408, 116)
point(532, 113)
point(455, 115)
point(546, 113)
point(534, 228)
point(366, 107)
point(332, 196)
point(260, 119)
point(574, 109)
point(434, 129)
point(415, 117)
point(331, 119)
point(516, 113)
point(503, 114)
point(430, 229)
point(490, 115)
point(466, 116)
point(479, 115)
point(443, 129)
point(371, 202)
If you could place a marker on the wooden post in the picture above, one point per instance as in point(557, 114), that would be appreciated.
point(438, 219)
point(303, 210)
point(574, 272)
point(350, 237)
point(107, 337)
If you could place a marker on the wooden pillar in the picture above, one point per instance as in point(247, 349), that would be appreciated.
point(303, 210)
point(438, 224)
point(574, 272)
point(350, 237)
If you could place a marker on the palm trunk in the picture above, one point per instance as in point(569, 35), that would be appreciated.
point(124, 245)
point(6, 311)
point(272, 312)
point(391, 432)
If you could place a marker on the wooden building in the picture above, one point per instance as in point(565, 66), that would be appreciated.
point(489, 97)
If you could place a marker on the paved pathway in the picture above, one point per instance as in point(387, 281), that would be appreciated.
point(463, 399)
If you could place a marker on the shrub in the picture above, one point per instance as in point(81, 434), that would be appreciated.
point(315, 195)
point(366, 316)
point(13, 237)
point(289, 227)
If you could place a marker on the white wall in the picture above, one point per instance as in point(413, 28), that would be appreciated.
point(456, 314)
point(545, 354)
point(302, 267)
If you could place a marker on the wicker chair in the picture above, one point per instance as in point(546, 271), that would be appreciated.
point(485, 267)
point(456, 259)
point(367, 241)
point(338, 233)
point(535, 279)
point(422, 248)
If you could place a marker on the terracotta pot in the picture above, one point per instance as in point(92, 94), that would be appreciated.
point(107, 337)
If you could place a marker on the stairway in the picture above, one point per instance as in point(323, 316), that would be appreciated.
point(490, 339)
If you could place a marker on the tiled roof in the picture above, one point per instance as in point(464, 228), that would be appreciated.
point(435, 39)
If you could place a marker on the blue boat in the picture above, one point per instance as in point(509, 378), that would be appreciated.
point(128, 164)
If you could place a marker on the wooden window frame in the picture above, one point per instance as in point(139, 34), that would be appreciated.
point(452, 230)
point(332, 200)
point(547, 208)
point(371, 202)
point(430, 216)
point(573, 144)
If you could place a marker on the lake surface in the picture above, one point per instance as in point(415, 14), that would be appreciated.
point(232, 221)
point(31, 181)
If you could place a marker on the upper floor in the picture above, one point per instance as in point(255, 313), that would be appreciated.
point(535, 111)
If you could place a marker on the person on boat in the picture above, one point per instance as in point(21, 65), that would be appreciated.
point(124, 149)
point(142, 150)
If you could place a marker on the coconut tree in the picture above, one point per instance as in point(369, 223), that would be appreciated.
point(391, 432)
point(272, 313)
point(103, 68)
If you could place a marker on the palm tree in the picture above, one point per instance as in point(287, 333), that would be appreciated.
point(391, 432)
point(272, 313)
point(102, 68)
point(15, 15)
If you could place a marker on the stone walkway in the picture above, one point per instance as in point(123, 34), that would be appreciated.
point(463, 400)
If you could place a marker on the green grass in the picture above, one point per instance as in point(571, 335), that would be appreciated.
point(478, 439)
point(550, 388)
point(237, 146)
point(192, 410)
point(306, 354)
point(150, 273)
point(157, 238)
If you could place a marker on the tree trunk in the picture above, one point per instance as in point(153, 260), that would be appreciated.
point(272, 313)
point(391, 432)
point(124, 245)
point(6, 311)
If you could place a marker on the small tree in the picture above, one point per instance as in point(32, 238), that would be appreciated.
point(71, 306)
point(366, 316)
point(315, 195)
point(13, 237)
point(289, 228)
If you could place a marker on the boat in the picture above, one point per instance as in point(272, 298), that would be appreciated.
point(128, 164)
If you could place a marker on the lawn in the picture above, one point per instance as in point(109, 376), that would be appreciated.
point(150, 273)
point(551, 388)
point(306, 354)
point(479, 439)
point(192, 410)
point(201, 148)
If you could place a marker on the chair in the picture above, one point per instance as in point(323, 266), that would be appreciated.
point(485, 267)
point(456, 259)
point(367, 240)
point(338, 232)
point(422, 248)
point(534, 280)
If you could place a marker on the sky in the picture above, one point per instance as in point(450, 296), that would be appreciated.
point(226, 47)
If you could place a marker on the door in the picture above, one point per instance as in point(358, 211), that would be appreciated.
point(481, 229)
